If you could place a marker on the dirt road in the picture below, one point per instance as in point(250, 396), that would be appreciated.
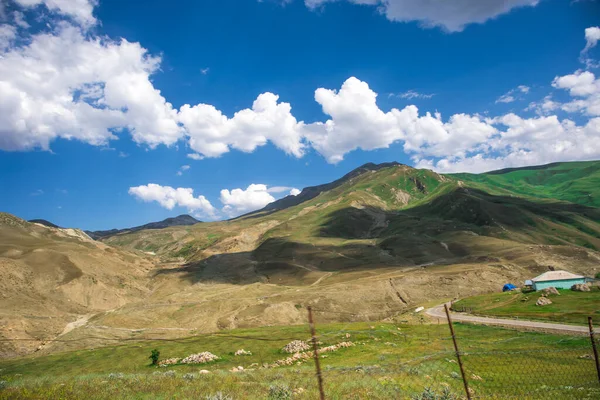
point(439, 313)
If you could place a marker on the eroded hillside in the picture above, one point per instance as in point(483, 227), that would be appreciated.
point(52, 277)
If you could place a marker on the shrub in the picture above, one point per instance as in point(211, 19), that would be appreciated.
point(154, 355)
point(430, 394)
point(279, 392)
point(3, 384)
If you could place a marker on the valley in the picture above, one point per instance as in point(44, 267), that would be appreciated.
point(371, 246)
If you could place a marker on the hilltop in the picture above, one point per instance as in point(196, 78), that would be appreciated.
point(181, 220)
point(371, 245)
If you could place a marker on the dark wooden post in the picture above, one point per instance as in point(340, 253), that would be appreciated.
point(316, 353)
point(460, 364)
point(591, 326)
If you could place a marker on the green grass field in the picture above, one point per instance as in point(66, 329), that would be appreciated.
point(387, 361)
point(569, 307)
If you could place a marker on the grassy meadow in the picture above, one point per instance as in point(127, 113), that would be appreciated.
point(387, 361)
point(568, 307)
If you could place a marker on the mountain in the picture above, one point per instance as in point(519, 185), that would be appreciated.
point(50, 278)
point(182, 220)
point(311, 192)
point(377, 242)
point(43, 222)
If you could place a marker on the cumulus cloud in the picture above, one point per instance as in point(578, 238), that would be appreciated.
point(585, 87)
point(66, 85)
point(513, 94)
point(295, 192)
point(169, 198)
point(528, 142)
point(79, 10)
point(212, 134)
point(239, 201)
point(452, 16)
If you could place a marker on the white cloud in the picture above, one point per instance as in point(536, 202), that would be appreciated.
point(67, 85)
point(452, 16)
point(38, 192)
point(513, 94)
point(79, 10)
point(592, 35)
point(182, 169)
point(280, 189)
point(212, 134)
point(585, 87)
point(358, 123)
point(8, 34)
point(20, 20)
point(411, 94)
point(532, 141)
point(169, 197)
point(195, 156)
point(544, 107)
point(205, 71)
point(239, 201)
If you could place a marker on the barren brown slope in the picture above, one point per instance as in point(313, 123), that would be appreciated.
point(52, 277)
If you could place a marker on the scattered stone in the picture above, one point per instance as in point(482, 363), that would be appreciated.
point(200, 358)
point(419, 309)
point(476, 377)
point(586, 357)
point(299, 358)
point(550, 290)
point(543, 301)
point(581, 287)
point(237, 369)
point(347, 335)
point(243, 352)
point(118, 375)
point(204, 371)
point(189, 377)
point(296, 346)
point(169, 361)
point(169, 374)
point(298, 391)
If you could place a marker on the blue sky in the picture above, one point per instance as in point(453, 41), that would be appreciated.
point(93, 95)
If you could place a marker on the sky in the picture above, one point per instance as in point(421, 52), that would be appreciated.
point(114, 113)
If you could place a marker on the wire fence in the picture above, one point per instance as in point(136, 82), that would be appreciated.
point(385, 360)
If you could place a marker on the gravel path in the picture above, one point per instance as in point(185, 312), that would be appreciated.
point(439, 313)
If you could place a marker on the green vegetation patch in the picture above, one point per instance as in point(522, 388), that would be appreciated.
point(568, 307)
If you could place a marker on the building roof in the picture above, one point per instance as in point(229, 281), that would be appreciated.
point(556, 276)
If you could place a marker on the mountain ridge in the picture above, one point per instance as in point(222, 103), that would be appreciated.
point(180, 220)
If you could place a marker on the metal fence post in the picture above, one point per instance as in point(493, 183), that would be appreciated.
point(316, 352)
point(591, 326)
point(460, 364)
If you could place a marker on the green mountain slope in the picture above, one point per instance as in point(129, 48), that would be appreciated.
point(577, 182)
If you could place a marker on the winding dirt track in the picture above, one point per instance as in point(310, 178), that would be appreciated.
point(439, 313)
